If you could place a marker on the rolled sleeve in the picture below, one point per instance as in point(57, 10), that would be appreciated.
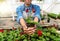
point(37, 13)
point(18, 19)
point(37, 16)
point(19, 14)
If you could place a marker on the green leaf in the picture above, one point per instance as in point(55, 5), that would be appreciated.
point(45, 29)
point(23, 37)
point(25, 40)
point(47, 38)
point(38, 40)
point(33, 39)
point(44, 33)
point(52, 15)
point(52, 37)
point(43, 39)
point(58, 16)
point(48, 34)
point(57, 39)
point(10, 40)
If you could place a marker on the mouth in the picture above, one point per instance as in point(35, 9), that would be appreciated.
point(28, 4)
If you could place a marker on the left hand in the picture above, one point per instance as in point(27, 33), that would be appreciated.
point(31, 30)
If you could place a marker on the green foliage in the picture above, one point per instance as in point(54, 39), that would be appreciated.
point(41, 34)
point(52, 15)
point(30, 22)
point(58, 16)
point(48, 34)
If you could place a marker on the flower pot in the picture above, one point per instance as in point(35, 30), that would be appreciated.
point(30, 25)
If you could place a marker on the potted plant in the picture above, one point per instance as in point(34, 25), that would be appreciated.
point(30, 22)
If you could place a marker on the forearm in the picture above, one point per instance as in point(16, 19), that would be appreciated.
point(22, 22)
point(36, 19)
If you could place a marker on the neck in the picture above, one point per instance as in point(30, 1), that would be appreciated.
point(27, 5)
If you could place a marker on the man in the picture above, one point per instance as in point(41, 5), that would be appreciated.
point(27, 7)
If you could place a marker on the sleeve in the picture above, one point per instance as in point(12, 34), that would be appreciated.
point(19, 14)
point(37, 12)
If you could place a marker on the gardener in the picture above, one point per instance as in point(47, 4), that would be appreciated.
point(24, 11)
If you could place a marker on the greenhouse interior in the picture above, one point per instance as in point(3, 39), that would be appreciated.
point(29, 20)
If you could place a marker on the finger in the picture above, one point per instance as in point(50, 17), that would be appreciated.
point(26, 31)
point(33, 31)
point(30, 33)
point(29, 29)
point(35, 26)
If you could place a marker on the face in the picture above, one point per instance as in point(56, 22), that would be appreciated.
point(27, 2)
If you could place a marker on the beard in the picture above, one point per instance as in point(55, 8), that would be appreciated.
point(28, 4)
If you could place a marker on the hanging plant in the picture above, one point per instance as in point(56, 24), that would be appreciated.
point(52, 15)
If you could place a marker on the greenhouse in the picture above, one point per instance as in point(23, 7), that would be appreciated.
point(29, 20)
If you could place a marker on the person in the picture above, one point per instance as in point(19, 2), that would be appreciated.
point(23, 11)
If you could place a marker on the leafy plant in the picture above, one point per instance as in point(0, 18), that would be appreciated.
point(41, 34)
point(58, 16)
point(30, 22)
point(52, 15)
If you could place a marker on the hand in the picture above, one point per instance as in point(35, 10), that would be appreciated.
point(31, 30)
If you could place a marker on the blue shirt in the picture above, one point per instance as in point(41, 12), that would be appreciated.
point(22, 8)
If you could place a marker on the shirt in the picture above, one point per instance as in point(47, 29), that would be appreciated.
point(20, 11)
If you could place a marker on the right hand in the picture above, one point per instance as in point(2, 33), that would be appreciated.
point(29, 30)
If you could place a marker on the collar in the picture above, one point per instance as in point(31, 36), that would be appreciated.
point(29, 6)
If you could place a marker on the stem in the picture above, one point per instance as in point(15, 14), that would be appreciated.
point(29, 38)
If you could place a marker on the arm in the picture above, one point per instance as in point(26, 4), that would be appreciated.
point(22, 22)
point(37, 14)
point(20, 19)
point(36, 19)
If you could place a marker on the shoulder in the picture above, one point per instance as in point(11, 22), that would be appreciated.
point(36, 6)
point(21, 7)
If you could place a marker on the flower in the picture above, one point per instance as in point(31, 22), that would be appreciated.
point(33, 10)
point(1, 30)
point(39, 32)
point(27, 10)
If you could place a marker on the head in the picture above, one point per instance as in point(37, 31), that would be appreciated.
point(27, 2)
